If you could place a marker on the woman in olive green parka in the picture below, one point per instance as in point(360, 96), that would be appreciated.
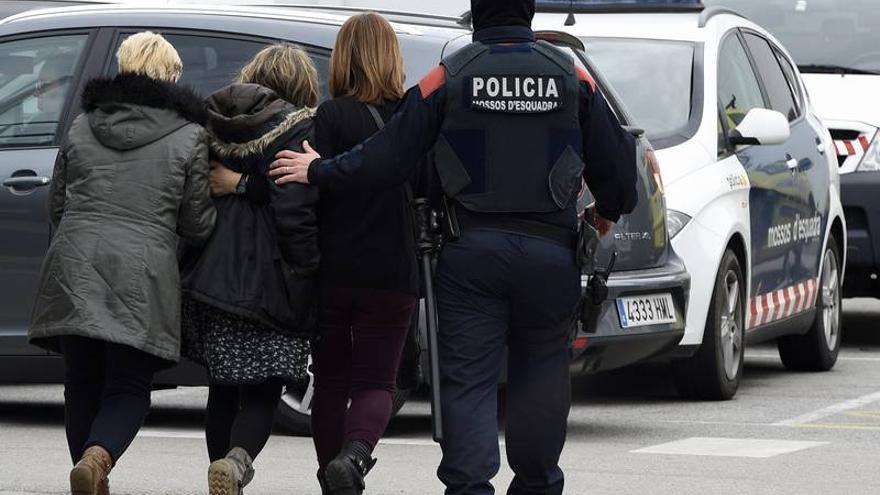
point(130, 185)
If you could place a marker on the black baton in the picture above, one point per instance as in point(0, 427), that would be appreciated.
point(433, 358)
point(428, 246)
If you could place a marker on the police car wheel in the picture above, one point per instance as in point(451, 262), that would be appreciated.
point(817, 350)
point(294, 413)
point(714, 372)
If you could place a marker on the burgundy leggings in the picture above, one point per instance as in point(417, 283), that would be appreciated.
point(363, 332)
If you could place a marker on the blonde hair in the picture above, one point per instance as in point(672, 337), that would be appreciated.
point(366, 62)
point(288, 71)
point(151, 55)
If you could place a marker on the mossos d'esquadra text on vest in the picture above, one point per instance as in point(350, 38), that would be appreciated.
point(516, 94)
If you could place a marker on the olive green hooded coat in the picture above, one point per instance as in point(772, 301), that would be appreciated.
point(131, 182)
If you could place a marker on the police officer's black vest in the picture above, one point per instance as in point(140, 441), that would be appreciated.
point(511, 139)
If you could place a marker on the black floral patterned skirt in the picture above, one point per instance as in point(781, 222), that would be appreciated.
point(239, 351)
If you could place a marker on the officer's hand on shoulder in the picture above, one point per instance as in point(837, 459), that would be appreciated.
point(290, 166)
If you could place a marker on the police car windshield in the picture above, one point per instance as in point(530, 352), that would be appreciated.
point(653, 78)
point(823, 36)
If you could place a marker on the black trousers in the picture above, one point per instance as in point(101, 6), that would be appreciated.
point(106, 394)
point(241, 416)
point(494, 290)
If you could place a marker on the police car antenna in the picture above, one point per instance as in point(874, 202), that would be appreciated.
point(570, 20)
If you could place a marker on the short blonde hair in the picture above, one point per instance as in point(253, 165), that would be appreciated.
point(151, 55)
point(366, 62)
point(287, 70)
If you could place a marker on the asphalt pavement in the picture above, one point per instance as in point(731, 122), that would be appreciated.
point(785, 433)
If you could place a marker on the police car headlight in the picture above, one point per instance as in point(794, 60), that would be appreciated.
point(675, 221)
point(871, 161)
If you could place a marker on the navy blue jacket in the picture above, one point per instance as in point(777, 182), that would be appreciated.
point(391, 156)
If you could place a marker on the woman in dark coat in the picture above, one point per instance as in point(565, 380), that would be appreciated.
point(249, 306)
point(131, 182)
point(369, 274)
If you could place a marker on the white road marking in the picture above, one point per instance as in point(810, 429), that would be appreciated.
point(839, 358)
point(711, 423)
point(409, 441)
point(170, 433)
point(830, 410)
point(729, 447)
point(199, 435)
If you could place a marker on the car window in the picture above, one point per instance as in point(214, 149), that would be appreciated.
point(722, 137)
point(211, 63)
point(792, 79)
point(36, 76)
point(580, 58)
point(738, 88)
point(634, 66)
point(824, 36)
point(777, 87)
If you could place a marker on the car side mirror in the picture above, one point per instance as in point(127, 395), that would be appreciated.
point(761, 127)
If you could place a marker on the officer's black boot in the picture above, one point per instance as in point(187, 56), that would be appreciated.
point(345, 474)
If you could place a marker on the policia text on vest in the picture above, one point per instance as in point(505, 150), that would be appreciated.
point(516, 94)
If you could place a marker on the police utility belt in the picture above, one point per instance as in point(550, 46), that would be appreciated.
point(458, 219)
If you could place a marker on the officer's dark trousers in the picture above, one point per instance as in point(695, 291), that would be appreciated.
point(494, 290)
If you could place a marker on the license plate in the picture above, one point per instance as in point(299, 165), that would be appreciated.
point(642, 311)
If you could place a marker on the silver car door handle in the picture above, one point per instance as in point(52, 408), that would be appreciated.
point(26, 182)
point(792, 163)
point(821, 148)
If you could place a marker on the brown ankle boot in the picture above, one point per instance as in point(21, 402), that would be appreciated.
point(89, 476)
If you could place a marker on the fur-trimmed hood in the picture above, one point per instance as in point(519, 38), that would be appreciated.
point(245, 120)
point(130, 110)
point(135, 89)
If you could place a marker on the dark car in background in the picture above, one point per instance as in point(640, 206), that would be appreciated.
point(47, 56)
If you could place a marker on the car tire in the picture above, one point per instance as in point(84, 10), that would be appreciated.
point(817, 349)
point(294, 409)
point(714, 372)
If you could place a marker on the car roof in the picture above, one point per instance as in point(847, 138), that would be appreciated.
point(683, 26)
point(424, 37)
point(230, 18)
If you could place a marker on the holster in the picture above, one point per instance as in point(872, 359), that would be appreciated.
point(450, 227)
point(587, 244)
point(595, 291)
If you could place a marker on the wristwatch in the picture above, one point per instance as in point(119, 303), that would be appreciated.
point(242, 185)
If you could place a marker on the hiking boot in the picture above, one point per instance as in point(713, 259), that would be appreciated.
point(229, 476)
point(89, 475)
point(345, 474)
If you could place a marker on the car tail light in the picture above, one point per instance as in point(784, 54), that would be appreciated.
point(871, 161)
point(675, 222)
point(654, 167)
point(857, 151)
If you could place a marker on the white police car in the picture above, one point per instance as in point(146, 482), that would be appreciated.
point(750, 174)
point(835, 45)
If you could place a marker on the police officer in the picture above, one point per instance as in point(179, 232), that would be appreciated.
point(514, 126)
